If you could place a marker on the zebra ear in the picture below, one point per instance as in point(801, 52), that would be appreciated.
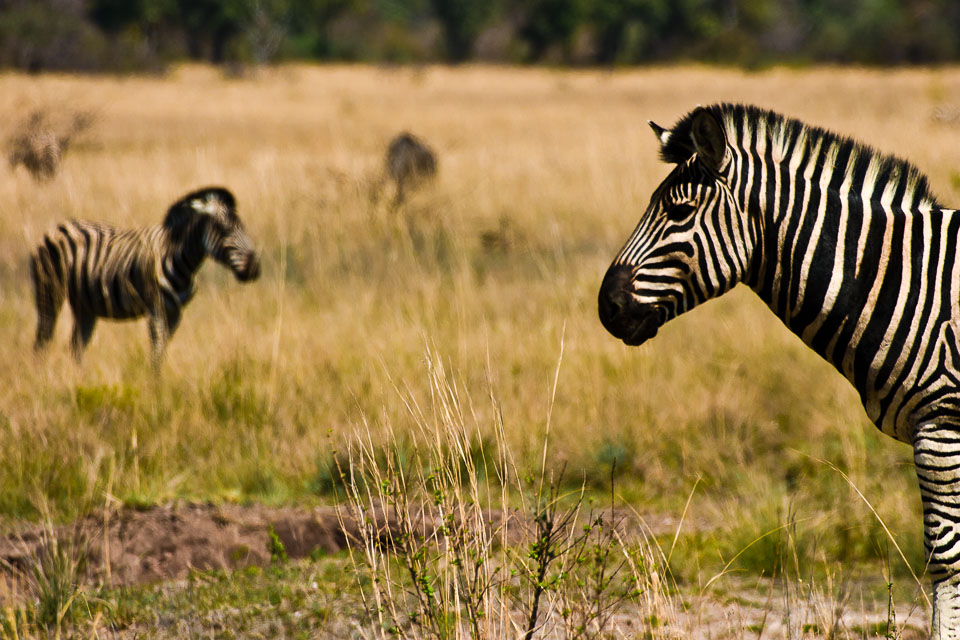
point(674, 148)
point(709, 139)
point(662, 134)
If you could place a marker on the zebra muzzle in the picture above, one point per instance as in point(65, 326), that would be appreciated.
point(635, 328)
point(622, 315)
point(251, 271)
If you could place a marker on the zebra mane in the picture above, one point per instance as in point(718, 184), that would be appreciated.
point(190, 207)
point(782, 134)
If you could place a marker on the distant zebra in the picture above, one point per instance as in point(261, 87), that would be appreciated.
point(124, 274)
point(852, 252)
point(39, 149)
point(409, 163)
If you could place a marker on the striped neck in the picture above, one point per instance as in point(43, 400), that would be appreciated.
point(803, 188)
point(844, 239)
point(184, 254)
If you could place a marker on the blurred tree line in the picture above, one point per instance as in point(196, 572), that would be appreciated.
point(132, 35)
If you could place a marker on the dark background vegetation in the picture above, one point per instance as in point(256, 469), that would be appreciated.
point(135, 35)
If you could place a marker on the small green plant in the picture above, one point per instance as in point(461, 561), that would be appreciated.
point(278, 553)
point(56, 576)
point(54, 581)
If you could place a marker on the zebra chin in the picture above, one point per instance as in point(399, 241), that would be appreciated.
point(631, 321)
point(249, 271)
point(636, 327)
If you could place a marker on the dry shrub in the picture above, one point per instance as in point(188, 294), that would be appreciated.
point(551, 567)
point(39, 148)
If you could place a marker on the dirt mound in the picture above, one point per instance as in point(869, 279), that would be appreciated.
point(161, 543)
point(137, 546)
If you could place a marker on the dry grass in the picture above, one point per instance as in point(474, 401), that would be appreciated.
point(544, 174)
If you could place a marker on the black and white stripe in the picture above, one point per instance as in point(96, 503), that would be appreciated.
point(848, 247)
point(124, 274)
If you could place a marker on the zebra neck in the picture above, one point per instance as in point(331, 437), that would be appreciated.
point(861, 281)
point(182, 259)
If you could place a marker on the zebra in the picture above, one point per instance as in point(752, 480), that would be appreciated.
point(125, 274)
point(409, 162)
point(39, 149)
point(849, 248)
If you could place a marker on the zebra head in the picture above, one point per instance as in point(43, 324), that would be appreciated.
point(213, 213)
point(692, 242)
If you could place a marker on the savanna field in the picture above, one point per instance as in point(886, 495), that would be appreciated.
point(448, 353)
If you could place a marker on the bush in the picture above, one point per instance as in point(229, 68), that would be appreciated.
point(42, 36)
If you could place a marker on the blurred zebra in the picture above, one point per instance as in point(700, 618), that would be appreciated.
point(409, 163)
point(40, 150)
point(124, 274)
point(853, 253)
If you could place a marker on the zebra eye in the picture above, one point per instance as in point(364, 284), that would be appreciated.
point(680, 211)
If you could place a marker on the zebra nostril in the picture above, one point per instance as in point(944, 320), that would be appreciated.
point(612, 304)
point(614, 294)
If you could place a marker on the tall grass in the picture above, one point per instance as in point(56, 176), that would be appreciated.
point(468, 542)
point(47, 596)
point(459, 538)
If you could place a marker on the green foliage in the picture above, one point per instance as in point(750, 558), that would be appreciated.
point(139, 34)
point(626, 28)
point(327, 479)
point(38, 36)
point(551, 23)
point(278, 553)
point(57, 601)
point(56, 576)
point(462, 21)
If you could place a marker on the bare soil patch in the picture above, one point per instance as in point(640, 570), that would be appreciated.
point(162, 544)
point(140, 546)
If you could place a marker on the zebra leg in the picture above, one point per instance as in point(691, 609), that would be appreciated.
point(158, 340)
point(83, 324)
point(162, 327)
point(936, 452)
point(48, 295)
point(400, 196)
